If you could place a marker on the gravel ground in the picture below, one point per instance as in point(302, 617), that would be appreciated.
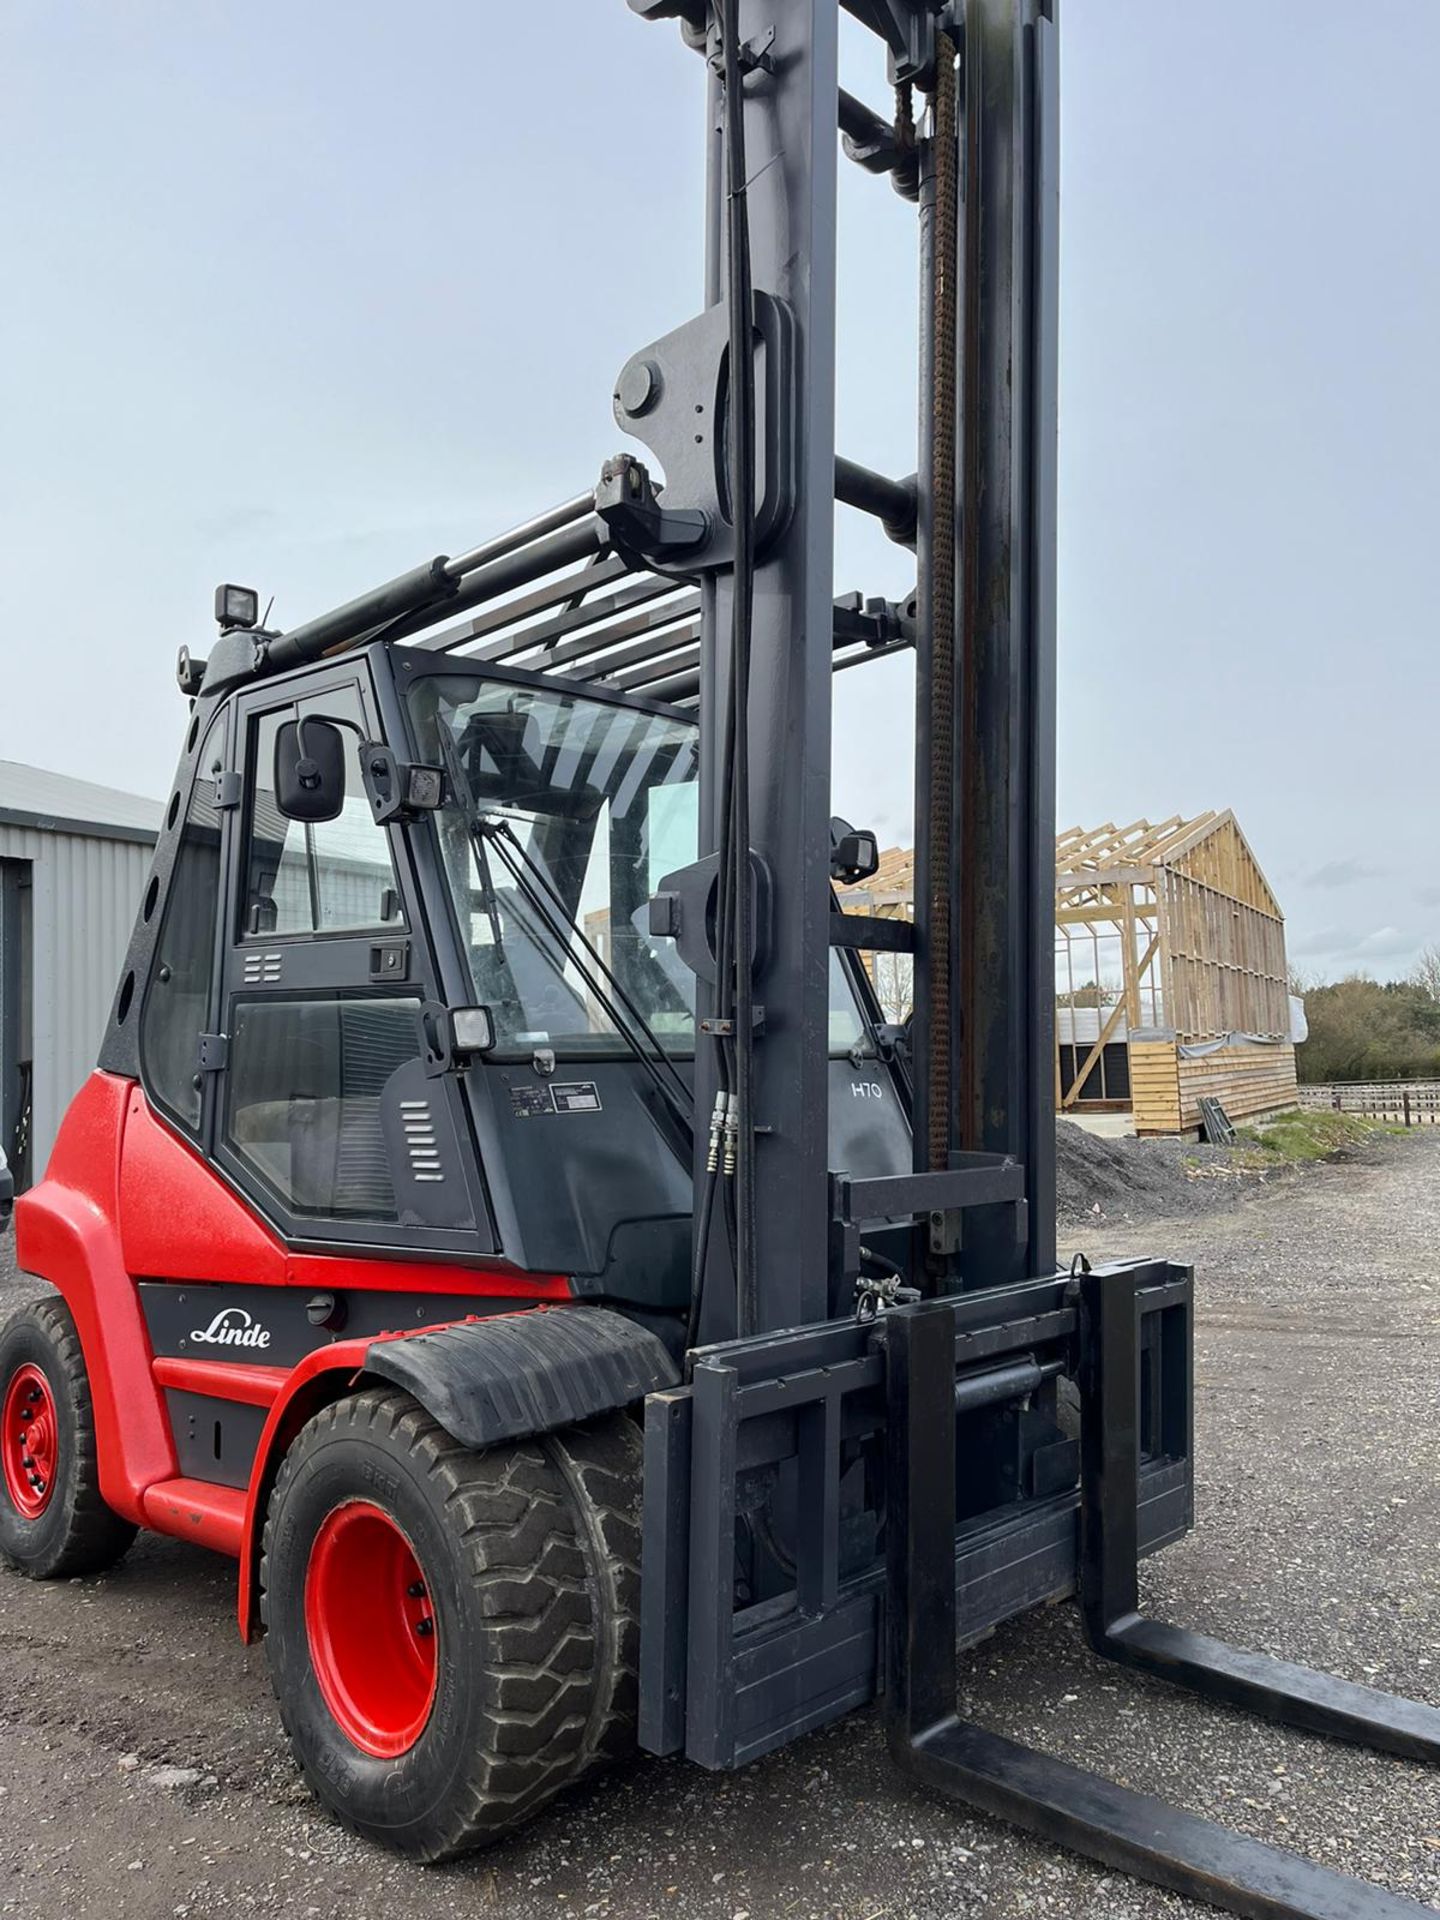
point(1317, 1429)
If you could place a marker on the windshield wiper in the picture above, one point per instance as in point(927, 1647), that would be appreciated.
point(555, 916)
point(486, 831)
point(487, 894)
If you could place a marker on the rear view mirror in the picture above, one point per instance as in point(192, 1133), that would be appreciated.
point(310, 770)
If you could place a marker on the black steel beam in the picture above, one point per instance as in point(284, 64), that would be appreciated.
point(429, 590)
point(871, 142)
point(1277, 1690)
point(985, 1324)
point(907, 28)
point(554, 593)
point(1137, 1834)
point(535, 528)
point(872, 653)
point(985, 1182)
point(1109, 1580)
point(792, 166)
point(552, 551)
point(549, 635)
point(641, 678)
point(663, 1589)
point(1002, 882)
point(657, 650)
point(891, 502)
point(852, 626)
point(865, 933)
point(680, 690)
point(1064, 1805)
point(417, 599)
point(921, 1676)
point(862, 124)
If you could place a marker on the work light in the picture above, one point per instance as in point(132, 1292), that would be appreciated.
point(236, 606)
point(474, 1030)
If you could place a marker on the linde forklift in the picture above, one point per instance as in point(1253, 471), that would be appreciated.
point(501, 1216)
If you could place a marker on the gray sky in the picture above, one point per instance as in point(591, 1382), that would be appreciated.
point(300, 295)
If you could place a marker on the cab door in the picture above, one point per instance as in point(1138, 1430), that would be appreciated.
point(323, 1112)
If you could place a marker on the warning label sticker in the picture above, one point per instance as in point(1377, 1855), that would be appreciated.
point(528, 1101)
point(575, 1096)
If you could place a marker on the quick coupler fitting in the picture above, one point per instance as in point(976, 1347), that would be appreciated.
point(732, 1133)
point(717, 1127)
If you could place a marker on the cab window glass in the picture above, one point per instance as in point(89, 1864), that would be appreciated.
point(178, 996)
point(326, 876)
point(316, 1099)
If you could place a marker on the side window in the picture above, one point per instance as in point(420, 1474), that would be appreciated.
point(320, 1097)
point(178, 995)
point(332, 876)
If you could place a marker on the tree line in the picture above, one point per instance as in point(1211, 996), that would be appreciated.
point(1363, 1029)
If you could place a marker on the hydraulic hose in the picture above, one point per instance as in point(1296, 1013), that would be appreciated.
point(740, 303)
point(734, 931)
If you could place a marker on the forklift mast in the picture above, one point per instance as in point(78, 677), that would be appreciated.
point(980, 515)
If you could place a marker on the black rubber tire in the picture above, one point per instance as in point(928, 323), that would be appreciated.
point(77, 1533)
point(530, 1553)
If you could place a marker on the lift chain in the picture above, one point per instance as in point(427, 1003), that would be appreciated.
point(944, 323)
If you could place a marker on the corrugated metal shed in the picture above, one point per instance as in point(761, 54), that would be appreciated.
point(73, 861)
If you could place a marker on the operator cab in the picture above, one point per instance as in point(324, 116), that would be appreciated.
point(438, 1014)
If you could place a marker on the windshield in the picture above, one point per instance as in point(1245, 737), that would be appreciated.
point(602, 802)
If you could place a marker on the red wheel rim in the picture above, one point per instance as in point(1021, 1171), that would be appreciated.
point(371, 1626)
point(30, 1447)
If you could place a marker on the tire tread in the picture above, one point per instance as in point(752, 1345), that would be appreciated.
point(549, 1531)
point(95, 1535)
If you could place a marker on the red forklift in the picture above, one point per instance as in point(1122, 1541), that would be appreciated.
point(502, 1218)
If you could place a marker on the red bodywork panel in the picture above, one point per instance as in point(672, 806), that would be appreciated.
point(67, 1230)
point(320, 1377)
point(124, 1200)
point(180, 1221)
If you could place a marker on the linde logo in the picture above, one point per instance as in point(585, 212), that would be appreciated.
point(233, 1327)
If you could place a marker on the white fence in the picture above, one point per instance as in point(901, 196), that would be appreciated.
point(1410, 1103)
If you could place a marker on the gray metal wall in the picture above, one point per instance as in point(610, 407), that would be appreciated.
point(86, 892)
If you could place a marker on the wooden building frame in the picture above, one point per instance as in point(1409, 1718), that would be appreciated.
point(1171, 932)
point(1171, 979)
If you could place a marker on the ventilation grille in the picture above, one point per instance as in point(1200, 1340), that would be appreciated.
point(415, 1118)
point(262, 969)
point(376, 1037)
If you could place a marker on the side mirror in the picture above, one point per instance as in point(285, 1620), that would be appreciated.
point(854, 854)
point(310, 770)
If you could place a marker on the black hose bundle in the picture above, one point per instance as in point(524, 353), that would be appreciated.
point(734, 924)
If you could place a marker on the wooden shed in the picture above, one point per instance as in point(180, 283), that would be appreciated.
point(1171, 978)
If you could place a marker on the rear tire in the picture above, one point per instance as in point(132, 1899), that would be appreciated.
point(54, 1523)
point(452, 1636)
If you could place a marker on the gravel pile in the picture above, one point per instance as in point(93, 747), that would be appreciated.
point(1145, 1179)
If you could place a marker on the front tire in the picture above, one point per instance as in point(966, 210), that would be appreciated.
point(452, 1635)
point(54, 1523)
